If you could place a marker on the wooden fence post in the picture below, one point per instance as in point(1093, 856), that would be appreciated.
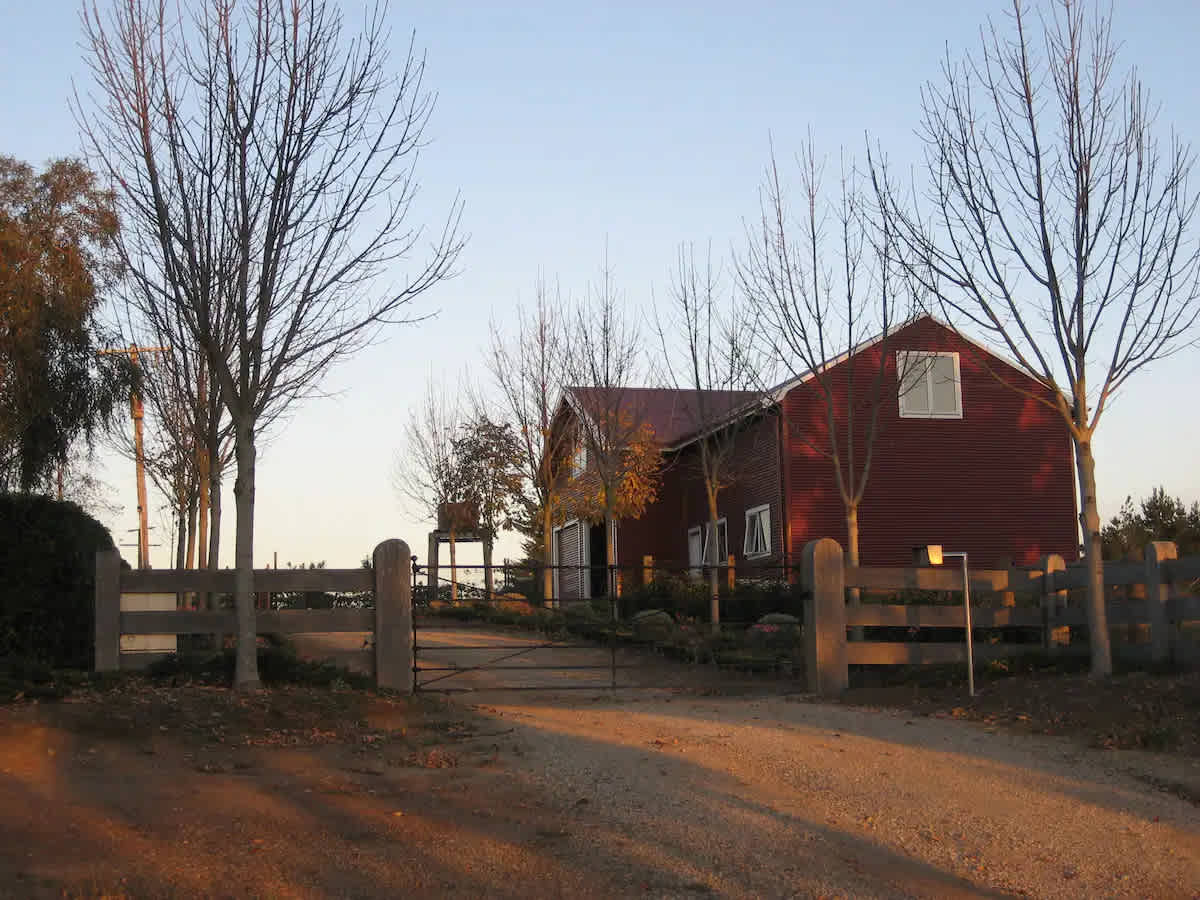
point(393, 617)
point(108, 611)
point(431, 568)
point(1158, 595)
point(1054, 598)
point(647, 569)
point(823, 576)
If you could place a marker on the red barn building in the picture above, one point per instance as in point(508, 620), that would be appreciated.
point(966, 456)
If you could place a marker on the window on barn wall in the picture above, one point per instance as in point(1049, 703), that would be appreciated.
point(758, 532)
point(695, 551)
point(722, 542)
point(930, 385)
point(698, 546)
point(579, 460)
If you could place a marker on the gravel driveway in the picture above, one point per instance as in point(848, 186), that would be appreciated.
point(780, 797)
point(673, 794)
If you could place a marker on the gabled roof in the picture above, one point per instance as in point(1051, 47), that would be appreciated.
point(675, 415)
point(778, 393)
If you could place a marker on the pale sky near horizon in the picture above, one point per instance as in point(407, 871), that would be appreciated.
point(631, 126)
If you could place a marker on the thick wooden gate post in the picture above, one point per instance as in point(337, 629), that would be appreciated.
point(108, 611)
point(824, 577)
point(393, 617)
point(1158, 595)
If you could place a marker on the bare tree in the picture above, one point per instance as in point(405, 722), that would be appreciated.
point(1059, 226)
point(826, 286)
point(615, 472)
point(527, 367)
point(708, 357)
point(430, 470)
point(266, 164)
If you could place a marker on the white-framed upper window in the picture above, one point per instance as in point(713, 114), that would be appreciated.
point(579, 460)
point(758, 532)
point(930, 385)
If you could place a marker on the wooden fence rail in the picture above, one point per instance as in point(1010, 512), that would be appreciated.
point(390, 621)
point(827, 617)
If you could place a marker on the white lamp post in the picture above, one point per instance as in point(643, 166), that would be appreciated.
point(936, 555)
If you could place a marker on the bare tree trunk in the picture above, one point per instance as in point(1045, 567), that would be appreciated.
point(193, 503)
point(610, 560)
point(214, 507)
point(853, 596)
point(489, 583)
point(1090, 519)
point(246, 672)
point(547, 553)
point(852, 540)
point(712, 559)
point(453, 568)
point(202, 506)
point(181, 521)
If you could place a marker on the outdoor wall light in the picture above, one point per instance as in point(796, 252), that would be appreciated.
point(935, 554)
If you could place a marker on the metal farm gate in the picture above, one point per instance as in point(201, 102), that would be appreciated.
point(475, 640)
point(476, 632)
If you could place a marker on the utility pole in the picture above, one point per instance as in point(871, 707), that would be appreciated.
point(137, 412)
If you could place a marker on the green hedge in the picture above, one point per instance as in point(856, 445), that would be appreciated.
point(47, 589)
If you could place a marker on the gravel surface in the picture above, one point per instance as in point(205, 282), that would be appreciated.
point(780, 797)
point(670, 794)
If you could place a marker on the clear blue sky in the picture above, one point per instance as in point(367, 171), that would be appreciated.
point(640, 125)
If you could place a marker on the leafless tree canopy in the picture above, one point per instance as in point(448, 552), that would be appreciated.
point(1057, 222)
point(428, 472)
point(826, 283)
point(268, 170)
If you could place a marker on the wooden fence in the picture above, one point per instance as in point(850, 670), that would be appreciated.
point(1160, 608)
point(390, 577)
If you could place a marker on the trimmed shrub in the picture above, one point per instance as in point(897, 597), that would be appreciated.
point(653, 625)
point(47, 592)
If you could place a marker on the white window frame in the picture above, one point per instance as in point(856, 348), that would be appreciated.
point(579, 460)
point(754, 512)
point(920, 357)
point(722, 559)
point(701, 531)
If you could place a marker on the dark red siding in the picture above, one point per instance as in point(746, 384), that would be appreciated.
point(662, 529)
point(997, 483)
